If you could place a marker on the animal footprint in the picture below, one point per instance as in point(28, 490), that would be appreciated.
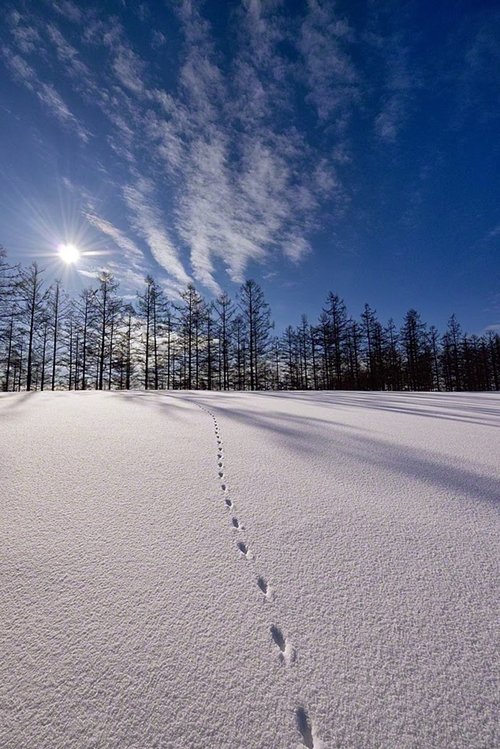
point(221, 474)
point(305, 728)
point(223, 487)
point(265, 588)
point(229, 503)
point(236, 524)
point(244, 550)
point(287, 652)
point(278, 638)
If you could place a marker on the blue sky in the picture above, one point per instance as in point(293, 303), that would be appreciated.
point(313, 146)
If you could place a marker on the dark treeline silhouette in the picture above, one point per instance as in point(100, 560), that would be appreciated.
point(101, 341)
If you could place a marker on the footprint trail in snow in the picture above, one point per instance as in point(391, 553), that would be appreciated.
point(287, 653)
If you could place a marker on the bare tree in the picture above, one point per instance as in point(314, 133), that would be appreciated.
point(32, 298)
point(257, 318)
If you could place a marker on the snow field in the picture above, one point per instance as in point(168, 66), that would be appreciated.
point(254, 570)
point(377, 516)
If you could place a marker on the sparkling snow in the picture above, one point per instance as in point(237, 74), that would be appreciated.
point(267, 571)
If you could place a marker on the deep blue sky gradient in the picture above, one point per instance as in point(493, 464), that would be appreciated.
point(313, 146)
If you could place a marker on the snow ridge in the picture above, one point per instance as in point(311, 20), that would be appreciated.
point(287, 652)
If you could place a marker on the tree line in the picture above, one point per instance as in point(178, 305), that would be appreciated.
point(99, 340)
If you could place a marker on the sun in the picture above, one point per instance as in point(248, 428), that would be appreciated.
point(69, 253)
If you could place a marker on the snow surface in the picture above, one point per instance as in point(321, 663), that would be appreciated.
point(340, 591)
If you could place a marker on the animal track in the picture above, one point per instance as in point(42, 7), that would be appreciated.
point(287, 652)
point(278, 638)
point(305, 727)
point(265, 588)
point(244, 550)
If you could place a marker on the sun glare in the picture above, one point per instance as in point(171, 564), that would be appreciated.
point(69, 253)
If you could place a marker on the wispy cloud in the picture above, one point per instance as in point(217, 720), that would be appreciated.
point(389, 47)
point(26, 37)
point(396, 94)
point(388, 120)
point(68, 55)
point(331, 76)
point(148, 221)
point(493, 233)
point(119, 237)
point(60, 110)
point(129, 69)
point(68, 9)
point(45, 92)
point(479, 68)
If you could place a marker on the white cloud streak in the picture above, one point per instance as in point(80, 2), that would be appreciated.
point(45, 92)
point(398, 80)
point(68, 10)
point(148, 221)
point(122, 241)
point(330, 73)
